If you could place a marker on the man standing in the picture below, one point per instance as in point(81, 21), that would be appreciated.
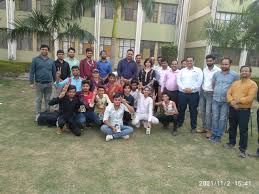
point(138, 62)
point(42, 74)
point(240, 96)
point(72, 61)
point(104, 66)
point(62, 67)
point(87, 65)
point(206, 95)
point(127, 67)
point(221, 81)
point(113, 126)
point(169, 84)
point(189, 82)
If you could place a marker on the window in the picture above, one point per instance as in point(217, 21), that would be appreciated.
point(222, 16)
point(83, 46)
point(154, 17)
point(2, 4)
point(64, 45)
point(25, 43)
point(106, 44)
point(108, 11)
point(252, 58)
point(43, 40)
point(129, 11)
point(125, 44)
point(23, 5)
point(147, 49)
point(168, 14)
point(42, 5)
point(89, 12)
point(233, 53)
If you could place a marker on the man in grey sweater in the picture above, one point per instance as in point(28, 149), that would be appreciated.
point(42, 74)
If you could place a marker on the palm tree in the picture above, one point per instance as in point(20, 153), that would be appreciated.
point(54, 23)
point(147, 6)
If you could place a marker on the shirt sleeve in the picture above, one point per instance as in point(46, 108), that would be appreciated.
point(199, 80)
point(107, 99)
point(163, 82)
point(229, 93)
point(250, 96)
point(82, 73)
point(61, 84)
point(179, 81)
point(107, 113)
point(150, 110)
point(32, 71)
point(109, 68)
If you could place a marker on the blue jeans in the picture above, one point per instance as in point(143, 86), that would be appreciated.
point(192, 100)
point(219, 117)
point(125, 130)
point(84, 117)
point(206, 108)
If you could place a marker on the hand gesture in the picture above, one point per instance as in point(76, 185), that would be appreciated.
point(58, 73)
point(64, 90)
point(95, 91)
point(123, 100)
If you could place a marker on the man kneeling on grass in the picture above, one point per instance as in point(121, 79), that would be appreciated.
point(69, 105)
point(113, 126)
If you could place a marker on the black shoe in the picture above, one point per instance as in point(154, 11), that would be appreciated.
point(174, 133)
point(193, 131)
point(229, 146)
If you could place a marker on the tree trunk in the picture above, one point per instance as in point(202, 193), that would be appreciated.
point(114, 34)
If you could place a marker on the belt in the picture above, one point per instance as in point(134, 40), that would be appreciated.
point(43, 82)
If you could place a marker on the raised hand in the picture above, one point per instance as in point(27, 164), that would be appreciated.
point(58, 73)
point(64, 90)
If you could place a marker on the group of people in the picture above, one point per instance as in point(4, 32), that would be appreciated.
point(87, 92)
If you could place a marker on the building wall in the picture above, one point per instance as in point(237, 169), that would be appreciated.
point(232, 6)
point(198, 5)
point(198, 54)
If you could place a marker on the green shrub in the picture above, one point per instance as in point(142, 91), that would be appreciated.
point(256, 79)
point(11, 68)
point(169, 51)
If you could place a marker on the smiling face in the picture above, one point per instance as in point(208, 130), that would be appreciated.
point(146, 92)
point(71, 53)
point(127, 90)
point(245, 72)
point(189, 62)
point(174, 65)
point(100, 92)
point(111, 79)
point(44, 51)
point(138, 59)
point(71, 93)
point(129, 55)
point(117, 101)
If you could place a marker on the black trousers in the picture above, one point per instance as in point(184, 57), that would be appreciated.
point(166, 119)
point(239, 117)
point(126, 118)
point(73, 126)
point(173, 96)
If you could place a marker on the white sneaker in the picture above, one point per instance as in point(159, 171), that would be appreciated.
point(125, 137)
point(108, 137)
point(148, 131)
point(36, 117)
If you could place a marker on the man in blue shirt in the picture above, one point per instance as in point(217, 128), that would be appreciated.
point(127, 67)
point(42, 74)
point(104, 66)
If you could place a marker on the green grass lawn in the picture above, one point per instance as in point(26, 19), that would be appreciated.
point(34, 159)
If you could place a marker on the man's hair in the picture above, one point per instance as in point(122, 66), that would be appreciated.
point(60, 51)
point(226, 58)
point(44, 46)
point(111, 75)
point(138, 55)
point(130, 50)
point(126, 85)
point(75, 67)
point(88, 50)
point(85, 82)
point(165, 93)
point(134, 81)
point(159, 57)
point(174, 60)
point(71, 87)
point(182, 61)
point(210, 56)
point(190, 57)
point(71, 49)
point(117, 95)
point(103, 51)
point(163, 60)
point(250, 69)
point(100, 86)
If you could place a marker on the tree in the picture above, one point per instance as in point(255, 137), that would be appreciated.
point(169, 52)
point(54, 23)
point(147, 6)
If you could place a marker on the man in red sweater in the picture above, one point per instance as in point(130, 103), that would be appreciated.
point(87, 65)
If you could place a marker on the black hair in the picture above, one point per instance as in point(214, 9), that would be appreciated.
point(146, 60)
point(75, 67)
point(250, 69)
point(182, 61)
point(130, 50)
point(210, 56)
point(163, 60)
point(111, 75)
point(71, 49)
point(88, 50)
point(71, 87)
point(138, 55)
point(226, 58)
point(174, 60)
point(44, 46)
point(117, 95)
point(101, 86)
point(190, 57)
point(126, 85)
point(85, 82)
point(165, 93)
point(159, 57)
point(60, 51)
point(134, 81)
point(103, 51)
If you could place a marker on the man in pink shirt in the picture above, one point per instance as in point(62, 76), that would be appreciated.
point(169, 84)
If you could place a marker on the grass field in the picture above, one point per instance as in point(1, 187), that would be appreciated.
point(34, 159)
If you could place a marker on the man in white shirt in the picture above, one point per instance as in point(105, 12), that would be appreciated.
point(206, 95)
point(113, 126)
point(189, 82)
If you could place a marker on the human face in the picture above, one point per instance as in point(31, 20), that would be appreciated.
point(127, 90)
point(85, 87)
point(89, 54)
point(129, 55)
point(183, 64)
point(71, 54)
point(138, 59)
point(164, 65)
point(100, 91)
point(60, 56)
point(152, 59)
point(159, 61)
point(75, 72)
point(245, 72)
point(209, 62)
point(174, 65)
point(71, 93)
point(117, 101)
point(225, 65)
point(44, 51)
point(148, 64)
point(103, 55)
point(111, 79)
point(165, 98)
point(146, 92)
point(189, 62)
point(134, 87)
point(95, 74)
